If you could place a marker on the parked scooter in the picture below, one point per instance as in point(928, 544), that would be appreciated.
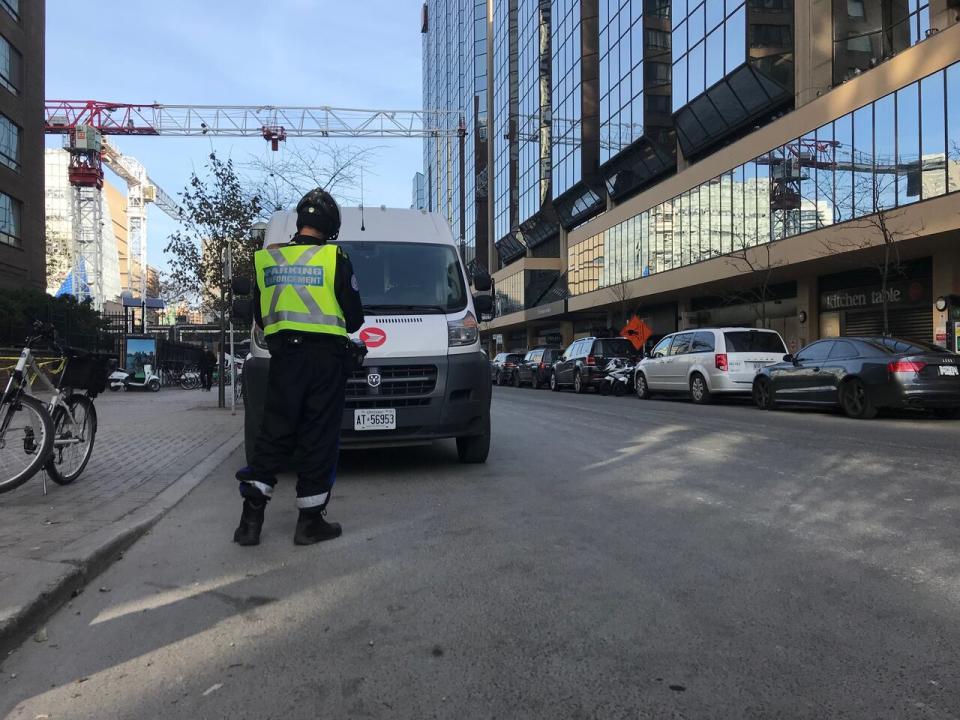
point(128, 380)
point(618, 377)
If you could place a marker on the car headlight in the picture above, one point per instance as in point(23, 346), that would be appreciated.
point(464, 331)
point(258, 337)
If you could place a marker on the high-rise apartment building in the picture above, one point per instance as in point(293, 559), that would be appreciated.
point(742, 162)
point(22, 247)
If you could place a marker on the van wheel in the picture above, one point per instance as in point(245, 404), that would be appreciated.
point(699, 392)
point(640, 385)
point(473, 449)
point(855, 400)
point(554, 385)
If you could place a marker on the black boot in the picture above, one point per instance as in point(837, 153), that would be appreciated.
point(251, 520)
point(312, 528)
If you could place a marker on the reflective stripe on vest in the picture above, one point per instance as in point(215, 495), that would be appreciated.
point(297, 289)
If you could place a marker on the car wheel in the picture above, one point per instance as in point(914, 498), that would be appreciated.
point(641, 387)
point(946, 413)
point(499, 379)
point(578, 386)
point(855, 400)
point(554, 385)
point(763, 394)
point(699, 392)
point(516, 379)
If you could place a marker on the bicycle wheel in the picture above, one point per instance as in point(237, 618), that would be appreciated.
point(26, 439)
point(72, 439)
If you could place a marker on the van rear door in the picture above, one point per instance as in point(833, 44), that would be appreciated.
point(749, 350)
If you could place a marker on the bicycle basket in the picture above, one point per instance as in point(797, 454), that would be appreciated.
point(86, 371)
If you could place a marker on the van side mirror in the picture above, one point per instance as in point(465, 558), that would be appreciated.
point(482, 281)
point(241, 286)
point(242, 309)
point(484, 307)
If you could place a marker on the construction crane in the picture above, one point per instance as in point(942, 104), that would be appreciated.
point(273, 123)
point(87, 121)
point(89, 153)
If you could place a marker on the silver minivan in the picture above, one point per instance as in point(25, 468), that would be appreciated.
point(707, 362)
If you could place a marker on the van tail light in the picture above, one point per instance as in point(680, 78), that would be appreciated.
point(721, 362)
point(903, 366)
point(591, 360)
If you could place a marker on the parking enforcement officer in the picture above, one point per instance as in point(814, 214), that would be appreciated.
point(306, 300)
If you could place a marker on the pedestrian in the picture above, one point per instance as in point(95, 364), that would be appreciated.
point(307, 301)
point(207, 362)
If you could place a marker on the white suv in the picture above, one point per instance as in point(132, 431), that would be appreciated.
point(706, 362)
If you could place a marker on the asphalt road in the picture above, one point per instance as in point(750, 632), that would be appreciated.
point(614, 559)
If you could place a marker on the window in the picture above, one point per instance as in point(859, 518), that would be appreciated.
point(703, 342)
point(843, 350)
point(855, 9)
point(616, 347)
point(12, 7)
point(10, 209)
point(816, 352)
point(681, 344)
point(11, 66)
point(754, 341)
point(9, 143)
point(658, 39)
point(662, 348)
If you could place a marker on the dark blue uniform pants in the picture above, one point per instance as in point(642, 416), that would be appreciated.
point(306, 388)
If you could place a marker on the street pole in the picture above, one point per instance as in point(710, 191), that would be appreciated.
point(233, 367)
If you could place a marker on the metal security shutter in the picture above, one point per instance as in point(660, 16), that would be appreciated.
point(907, 323)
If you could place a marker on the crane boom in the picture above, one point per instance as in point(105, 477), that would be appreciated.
point(272, 122)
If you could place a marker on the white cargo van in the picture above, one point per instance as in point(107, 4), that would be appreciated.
point(425, 377)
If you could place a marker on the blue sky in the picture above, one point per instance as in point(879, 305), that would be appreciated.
point(353, 53)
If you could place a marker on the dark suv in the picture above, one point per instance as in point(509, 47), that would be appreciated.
point(536, 367)
point(503, 366)
point(582, 364)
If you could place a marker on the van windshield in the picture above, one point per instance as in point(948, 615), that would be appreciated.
point(402, 277)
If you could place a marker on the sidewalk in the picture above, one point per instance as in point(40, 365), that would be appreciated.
point(151, 449)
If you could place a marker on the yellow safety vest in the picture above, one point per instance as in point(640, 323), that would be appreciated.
point(297, 289)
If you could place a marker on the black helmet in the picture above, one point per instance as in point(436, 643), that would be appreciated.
point(318, 209)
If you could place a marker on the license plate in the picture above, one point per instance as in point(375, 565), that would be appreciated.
point(949, 370)
point(375, 419)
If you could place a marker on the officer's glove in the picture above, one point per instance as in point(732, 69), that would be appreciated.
point(356, 352)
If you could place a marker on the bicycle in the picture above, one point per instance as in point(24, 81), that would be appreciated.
point(190, 378)
point(57, 436)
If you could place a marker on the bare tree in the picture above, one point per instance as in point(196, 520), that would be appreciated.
point(620, 294)
point(876, 234)
point(758, 264)
point(301, 167)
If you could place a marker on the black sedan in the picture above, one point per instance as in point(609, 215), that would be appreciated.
point(863, 375)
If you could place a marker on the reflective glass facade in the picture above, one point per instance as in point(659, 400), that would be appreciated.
point(566, 95)
point(505, 101)
point(903, 148)
point(709, 41)
point(868, 31)
point(533, 102)
point(418, 192)
point(455, 78)
point(621, 74)
point(732, 67)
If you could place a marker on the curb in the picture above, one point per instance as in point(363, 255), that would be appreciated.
point(85, 559)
